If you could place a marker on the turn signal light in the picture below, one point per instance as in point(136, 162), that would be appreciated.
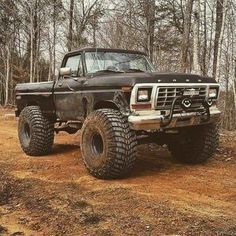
point(143, 106)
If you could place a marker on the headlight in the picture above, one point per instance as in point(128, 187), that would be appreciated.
point(144, 94)
point(213, 93)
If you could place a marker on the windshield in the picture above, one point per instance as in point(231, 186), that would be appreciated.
point(117, 62)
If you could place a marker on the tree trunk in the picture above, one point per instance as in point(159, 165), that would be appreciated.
point(219, 19)
point(234, 89)
point(196, 24)
point(211, 40)
point(54, 39)
point(220, 42)
point(186, 35)
point(150, 16)
point(7, 76)
point(31, 51)
point(233, 58)
point(94, 31)
point(70, 34)
point(204, 57)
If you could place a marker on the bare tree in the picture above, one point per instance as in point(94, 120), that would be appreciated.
point(70, 33)
point(196, 25)
point(219, 19)
point(149, 11)
point(186, 35)
point(216, 69)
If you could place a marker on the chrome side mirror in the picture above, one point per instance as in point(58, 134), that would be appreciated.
point(65, 71)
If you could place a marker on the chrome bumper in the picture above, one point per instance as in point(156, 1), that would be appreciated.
point(153, 121)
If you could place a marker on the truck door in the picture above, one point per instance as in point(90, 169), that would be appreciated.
point(68, 91)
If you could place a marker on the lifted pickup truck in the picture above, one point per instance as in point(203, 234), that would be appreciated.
point(118, 101)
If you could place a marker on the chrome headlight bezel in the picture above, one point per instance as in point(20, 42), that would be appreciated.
point(144, 94)
point(213, 92)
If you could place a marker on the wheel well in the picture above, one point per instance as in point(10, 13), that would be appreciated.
point(25, 104)
point(29, 103)
point(105, 104)
point(32, 103)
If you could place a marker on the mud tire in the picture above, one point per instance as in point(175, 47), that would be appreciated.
point(35, 131)
point(108, 145)
point(195, 145)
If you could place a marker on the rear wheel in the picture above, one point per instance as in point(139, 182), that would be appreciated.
point(35, 131)
point(108, 145)
point(195, 144)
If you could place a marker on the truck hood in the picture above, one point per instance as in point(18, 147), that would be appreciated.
point(130, 79)
point(122, 79)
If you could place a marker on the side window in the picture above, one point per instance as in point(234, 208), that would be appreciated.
point(74, 63)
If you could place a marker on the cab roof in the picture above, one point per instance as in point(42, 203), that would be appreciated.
point(116, 50)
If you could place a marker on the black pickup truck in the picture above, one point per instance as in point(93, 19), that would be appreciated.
point(118, 101)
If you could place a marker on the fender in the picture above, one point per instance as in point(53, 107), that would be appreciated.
point(116, 100)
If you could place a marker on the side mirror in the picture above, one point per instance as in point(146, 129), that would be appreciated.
point(65, 71)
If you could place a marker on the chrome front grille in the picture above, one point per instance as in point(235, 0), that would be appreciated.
point(167, 95)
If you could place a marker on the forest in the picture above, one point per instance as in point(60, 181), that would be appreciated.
point(191, 36)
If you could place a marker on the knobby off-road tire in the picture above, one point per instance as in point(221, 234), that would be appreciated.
point(195, 145)
point(35, 131)
point(108, 145)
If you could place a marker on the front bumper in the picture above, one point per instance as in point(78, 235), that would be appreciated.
point(153, 120)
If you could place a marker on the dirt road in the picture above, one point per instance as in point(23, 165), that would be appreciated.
point(54, 195)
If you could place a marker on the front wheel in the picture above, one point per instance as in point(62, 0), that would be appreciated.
point(196, 144)
point(108, 145)
point(35, 131)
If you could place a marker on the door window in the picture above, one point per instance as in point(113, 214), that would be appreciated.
point(74, 63)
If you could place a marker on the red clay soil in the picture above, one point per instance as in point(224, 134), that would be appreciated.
point(54, 195)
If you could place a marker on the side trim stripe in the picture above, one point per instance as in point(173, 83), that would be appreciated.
point(71, 92)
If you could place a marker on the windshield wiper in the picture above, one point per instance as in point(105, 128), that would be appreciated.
point(134, 70)
point(122, 62)
point(107, 70)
